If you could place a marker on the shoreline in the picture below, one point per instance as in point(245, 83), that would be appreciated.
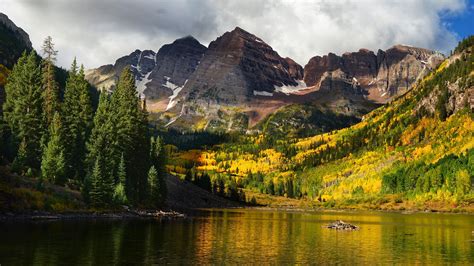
point(172, 215)
point(355, 210)
point(91, 215)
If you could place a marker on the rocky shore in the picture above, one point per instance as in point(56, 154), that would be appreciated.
point(127, 214)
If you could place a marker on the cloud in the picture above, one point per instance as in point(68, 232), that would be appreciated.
point(98, 32)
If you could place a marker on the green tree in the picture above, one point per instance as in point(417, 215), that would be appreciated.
point(101, 143)
point(101, 190)
point(50, 86)
point(78, 117)
point(131, 138)
point(156, 196)
point(23, 107)
point(120, 196)
point(19, 163)
point(53, 163)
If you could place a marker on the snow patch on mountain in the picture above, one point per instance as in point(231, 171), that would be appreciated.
point(291, 89)
point(141, 84)
point(176, 90)
point(262, 93)
point(176, 117)
point(139, 69)
point(150, 56)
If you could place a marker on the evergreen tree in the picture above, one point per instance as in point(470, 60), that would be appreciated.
point(101, 185)
point(131, 137)
point(156, 196)
point(19, 163)
point(50, 86)
point(120, 196)
point(77, 113)
point(23, 107)
point(101, 142)
point(53, 163)
point(121, 173)
point(119, 193)
point(158, 160)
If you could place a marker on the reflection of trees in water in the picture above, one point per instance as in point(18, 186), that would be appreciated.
point(424, 237)
point(243, 235)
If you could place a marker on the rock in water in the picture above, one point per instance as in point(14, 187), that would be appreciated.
point(340, 225)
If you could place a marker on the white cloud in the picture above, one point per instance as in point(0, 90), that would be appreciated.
point(98, 32)
point(302, 29)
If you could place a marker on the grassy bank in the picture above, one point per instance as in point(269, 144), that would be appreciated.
point(382, 202)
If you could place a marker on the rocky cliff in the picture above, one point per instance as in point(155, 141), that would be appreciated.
point(383, 75)
point(160, 75)
point(236, 67)
point(13, 41)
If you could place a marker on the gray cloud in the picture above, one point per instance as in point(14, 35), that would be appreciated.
point(98, 32)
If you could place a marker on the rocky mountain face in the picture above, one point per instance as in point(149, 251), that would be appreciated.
point(383, 75)
point(237, 66)
point(13, 41)
point(159, 75)
point(239, 80)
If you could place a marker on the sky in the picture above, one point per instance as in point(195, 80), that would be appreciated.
point(99, 32)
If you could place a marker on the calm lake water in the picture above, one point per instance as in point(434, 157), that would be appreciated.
point(236, 236)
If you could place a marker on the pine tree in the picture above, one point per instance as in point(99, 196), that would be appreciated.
point(23, 107)
point(155, 190)
point(131, 137)
point(53, 163)
point(19, 163)
point(121, 173)
point(85, 101)
point(102, 142)
point(101, 190)
point(77, 116)
point(158, 160)
point(50, 86)
point(119, 193)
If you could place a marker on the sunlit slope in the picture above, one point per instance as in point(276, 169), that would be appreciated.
point(420, 145)
point(417, 149)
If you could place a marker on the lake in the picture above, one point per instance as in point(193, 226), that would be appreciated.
point(244, 235)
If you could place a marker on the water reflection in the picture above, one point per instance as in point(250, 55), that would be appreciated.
point(233, 236)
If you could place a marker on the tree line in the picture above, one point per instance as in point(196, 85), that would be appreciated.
point(109, 153)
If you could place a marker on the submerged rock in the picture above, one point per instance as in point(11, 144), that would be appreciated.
point(340, 225)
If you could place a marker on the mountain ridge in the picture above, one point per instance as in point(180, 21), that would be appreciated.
point(240, 75)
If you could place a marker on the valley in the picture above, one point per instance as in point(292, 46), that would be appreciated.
point(390, 130)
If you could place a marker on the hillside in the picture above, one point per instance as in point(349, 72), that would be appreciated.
point(19, 194)
point(13, 41)
point(415, 152)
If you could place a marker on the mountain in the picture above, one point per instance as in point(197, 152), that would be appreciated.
point(235, 83)
point(13, 41)
point(237, 66)
point(383, 75)
point(160, 76)
point(414, 153)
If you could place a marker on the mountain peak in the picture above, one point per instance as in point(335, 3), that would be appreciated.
point(245, 34)
point(409, 48)
point(239, 29)
point(186, 39)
